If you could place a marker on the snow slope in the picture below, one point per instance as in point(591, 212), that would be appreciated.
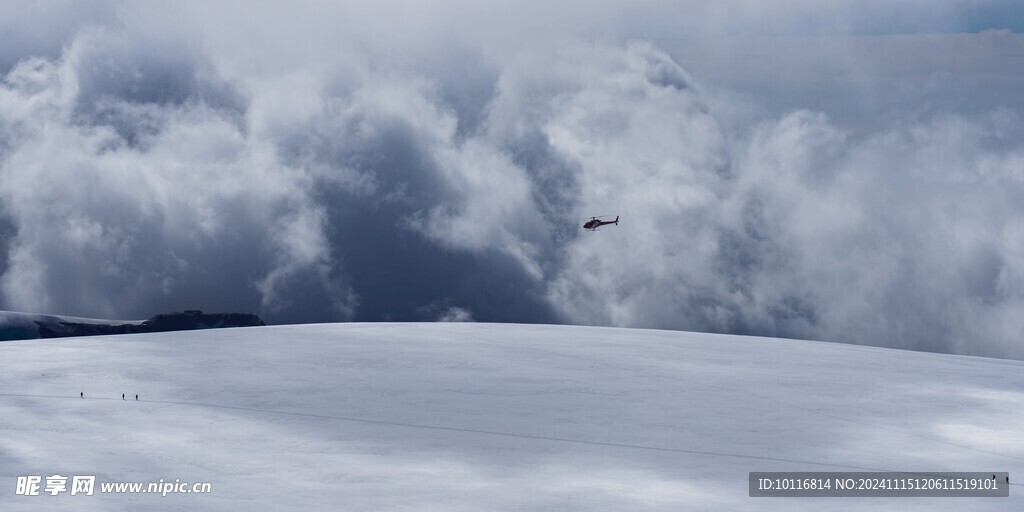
point(476, 417)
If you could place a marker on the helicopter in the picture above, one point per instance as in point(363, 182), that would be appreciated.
point(595, 223)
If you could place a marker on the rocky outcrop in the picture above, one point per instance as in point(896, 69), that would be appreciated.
point(185, 321)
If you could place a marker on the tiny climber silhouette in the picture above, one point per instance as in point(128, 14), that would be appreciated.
point(136, 398)
point(122, 396)
point(82, 394)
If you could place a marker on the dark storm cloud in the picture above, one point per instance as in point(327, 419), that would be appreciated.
point(326, 162)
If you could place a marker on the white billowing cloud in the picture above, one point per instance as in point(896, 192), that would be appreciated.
point(330, 162)
point(108, 215)
point(456, 314)
point(906, 238)
point(492, 206)
point(791, 228)
point(914, 246)
point(646, 148)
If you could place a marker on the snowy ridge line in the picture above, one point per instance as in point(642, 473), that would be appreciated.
point(477, 431)
point(782, 402)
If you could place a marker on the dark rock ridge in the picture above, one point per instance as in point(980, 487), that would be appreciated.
point(185, 321)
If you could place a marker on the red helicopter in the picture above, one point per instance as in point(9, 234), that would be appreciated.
point(595, 223)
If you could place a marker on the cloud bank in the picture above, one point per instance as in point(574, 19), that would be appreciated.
point(368, 163)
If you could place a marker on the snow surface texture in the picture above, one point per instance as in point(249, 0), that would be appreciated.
point(472, 417)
